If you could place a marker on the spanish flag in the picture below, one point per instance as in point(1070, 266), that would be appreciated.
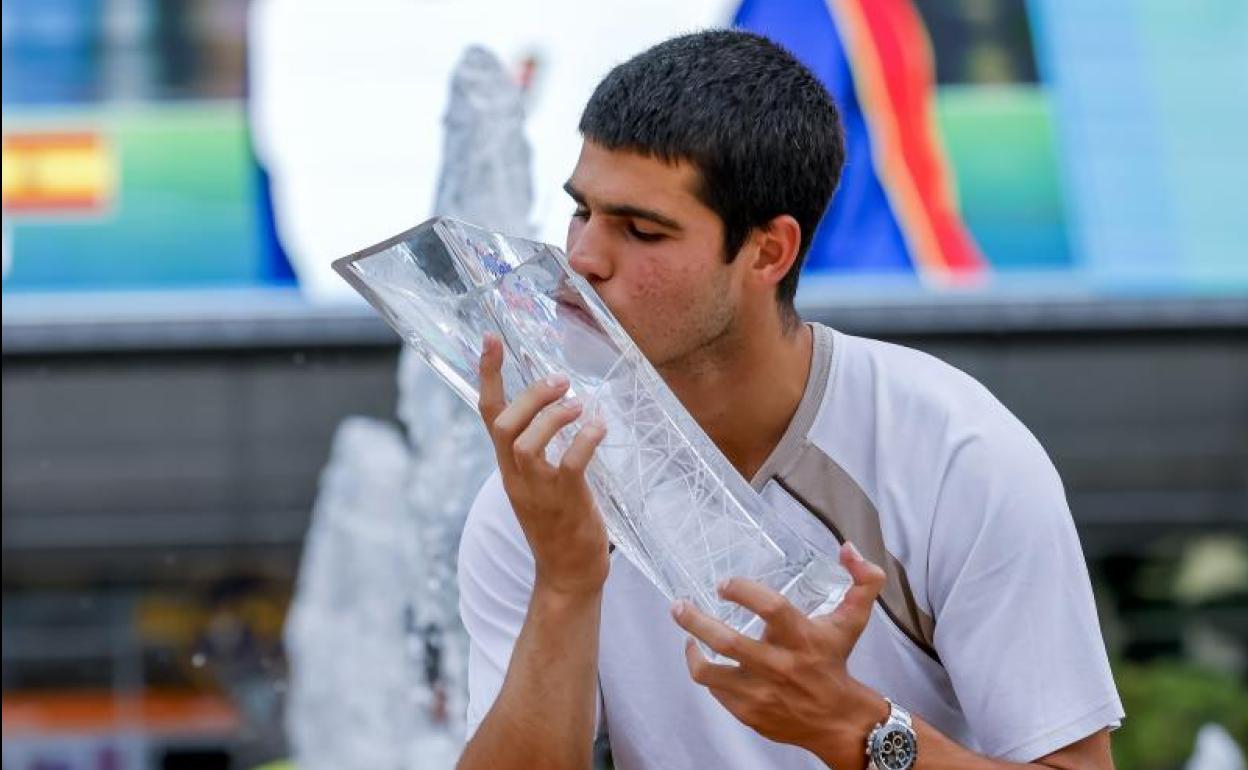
point(896, 209)
point(57, 173)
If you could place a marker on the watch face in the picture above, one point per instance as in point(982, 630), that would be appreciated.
point(893, 748)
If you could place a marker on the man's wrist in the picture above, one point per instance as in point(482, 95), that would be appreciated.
point(843, 746)
point(558, 597)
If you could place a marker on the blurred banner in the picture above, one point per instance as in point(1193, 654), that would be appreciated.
point(126, 152)
point(896, 207)
point(1045, 144)
point(1151, 100)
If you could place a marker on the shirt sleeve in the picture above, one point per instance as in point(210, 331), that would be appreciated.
point(495, 573)
point(495, 583)
point(1016, 624)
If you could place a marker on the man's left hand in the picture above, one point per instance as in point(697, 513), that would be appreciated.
point(792, 685)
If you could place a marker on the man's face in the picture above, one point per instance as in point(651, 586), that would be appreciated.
point(652, 251)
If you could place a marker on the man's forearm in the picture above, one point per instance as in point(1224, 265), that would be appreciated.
point(939, 752)
point(544, 713)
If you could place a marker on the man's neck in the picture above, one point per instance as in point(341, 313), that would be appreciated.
point(747, 396)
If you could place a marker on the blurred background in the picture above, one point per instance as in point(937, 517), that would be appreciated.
point(1047, 194)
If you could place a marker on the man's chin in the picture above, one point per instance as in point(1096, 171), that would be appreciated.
point(659, 359)
point(644, 341)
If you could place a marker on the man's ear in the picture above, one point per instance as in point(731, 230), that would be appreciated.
point(776, 245)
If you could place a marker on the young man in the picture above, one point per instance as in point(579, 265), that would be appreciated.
point(706, 165)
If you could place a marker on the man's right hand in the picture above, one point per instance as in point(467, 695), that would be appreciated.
point(543, 715)
point(552, 503)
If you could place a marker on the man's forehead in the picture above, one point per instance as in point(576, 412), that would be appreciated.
point(616, 175)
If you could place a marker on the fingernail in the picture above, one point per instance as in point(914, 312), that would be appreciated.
point(723, 586)
point(678, 608)
point(572, 405)
point(557, 380)
point(853, 551)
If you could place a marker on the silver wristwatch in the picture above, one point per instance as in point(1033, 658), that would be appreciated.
point(893, 744)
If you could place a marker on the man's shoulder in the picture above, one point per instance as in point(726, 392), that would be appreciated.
point(892, 412)
point(905, 376)
point(882, 389)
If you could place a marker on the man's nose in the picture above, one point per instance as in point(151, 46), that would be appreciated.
point(588, 253)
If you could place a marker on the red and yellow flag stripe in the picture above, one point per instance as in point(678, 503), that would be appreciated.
point(894, 77)
point(57, 173)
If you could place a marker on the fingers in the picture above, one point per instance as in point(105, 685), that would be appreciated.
point(519, 434)
point(722, 639)
point(855, 609)
point(490, 399)
point(706, 673)
point(578, 455)
point(783, 620)
point(517, 415)
point(529, 448)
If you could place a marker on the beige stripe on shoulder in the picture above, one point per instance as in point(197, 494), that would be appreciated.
point(822, 487)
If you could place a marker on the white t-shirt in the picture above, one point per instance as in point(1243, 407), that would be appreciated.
point(986, 627)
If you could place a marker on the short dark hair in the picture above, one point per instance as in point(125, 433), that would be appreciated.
point(762, 131)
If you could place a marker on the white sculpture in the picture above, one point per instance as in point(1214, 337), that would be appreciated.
point(378, 656)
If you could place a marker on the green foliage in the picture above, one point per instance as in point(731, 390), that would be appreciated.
point(1166, 704)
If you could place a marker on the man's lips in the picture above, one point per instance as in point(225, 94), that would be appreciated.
point(577, 311)
point(572, 303)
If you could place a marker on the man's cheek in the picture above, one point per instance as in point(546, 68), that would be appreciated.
point(650, 290)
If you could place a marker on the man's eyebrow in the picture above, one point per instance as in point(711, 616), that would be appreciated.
point(624, 209)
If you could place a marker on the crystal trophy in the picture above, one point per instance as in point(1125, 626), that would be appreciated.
point(670, 500)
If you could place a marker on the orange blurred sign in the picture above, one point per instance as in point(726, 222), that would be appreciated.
point(57, 173)
point(89, 712)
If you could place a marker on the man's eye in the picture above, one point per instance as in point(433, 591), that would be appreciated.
point(580, 214)
point(642, 235)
